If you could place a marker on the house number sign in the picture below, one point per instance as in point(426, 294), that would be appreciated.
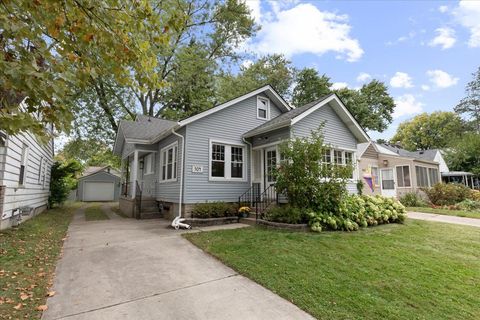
point(197, 168)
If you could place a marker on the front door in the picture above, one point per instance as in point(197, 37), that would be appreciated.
point(387, 183)
point(270, 165)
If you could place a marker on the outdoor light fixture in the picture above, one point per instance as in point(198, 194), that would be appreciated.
point(385, 162)
point(141, 165)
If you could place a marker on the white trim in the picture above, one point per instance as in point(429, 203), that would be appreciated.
point(268, 145)
point(174, 163)
point(409, 173)
point(148, 168)
point(232, 102)
point(267, 110)
point(227, 169)
point(394, 181)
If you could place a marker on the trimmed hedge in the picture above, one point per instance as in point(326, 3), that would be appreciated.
point(412, 199)
point(216, 209)
point(286, 214)
point(446, 194)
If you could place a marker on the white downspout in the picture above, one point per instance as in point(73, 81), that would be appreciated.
point(177, 222)
point(251, 160)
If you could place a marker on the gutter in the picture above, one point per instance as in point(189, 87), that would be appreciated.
point(177, 222)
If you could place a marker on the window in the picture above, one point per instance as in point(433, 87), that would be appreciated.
point(403, 176)
point(23, 166)
point(263, 105)
point(149, 163)
point(422, 177)
point(433, 176)
point(40, 169)
point(169, 163)
point(340, 157)
point(375, 180)
point(327, 156)
point(227, 162)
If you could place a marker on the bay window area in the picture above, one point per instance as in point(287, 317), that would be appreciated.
point(426, 177)
point(227, 161)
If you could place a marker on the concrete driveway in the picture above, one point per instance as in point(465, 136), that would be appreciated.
point(131, 269)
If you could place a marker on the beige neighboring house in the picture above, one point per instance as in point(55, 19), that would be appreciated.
point(394, 171)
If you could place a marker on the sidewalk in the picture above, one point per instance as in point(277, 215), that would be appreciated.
point(444, 218)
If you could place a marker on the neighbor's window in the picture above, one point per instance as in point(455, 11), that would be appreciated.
point(40, 169)
point(169, 162)
point(227, 161)
point(433, 176)
point(23, 166)
point(422, 176)
point(149, 163)
point(262, 108)
point(375, 180)
point(403, 176)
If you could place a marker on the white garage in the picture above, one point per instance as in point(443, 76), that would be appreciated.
point(98, 191)
point(99, 184)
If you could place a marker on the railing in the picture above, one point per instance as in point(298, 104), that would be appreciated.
point(126, 189)
point(264, 200)
point(138, 200)
point(250, 196)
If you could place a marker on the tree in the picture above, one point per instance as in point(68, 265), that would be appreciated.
point(309, 87)
point(274, 69)
point(470, 105)
point(62, 181)
point(463, 155)
point(51, 50)
point(381, 141)
point(429, 131)
point(89, 153)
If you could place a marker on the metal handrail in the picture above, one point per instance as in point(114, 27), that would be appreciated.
point(264, 200)
point(125, 188)
point(138, 200)
point(249, 197)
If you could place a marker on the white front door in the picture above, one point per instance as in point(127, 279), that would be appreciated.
point(387, 183)
point(270, 165)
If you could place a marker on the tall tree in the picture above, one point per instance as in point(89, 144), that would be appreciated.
point(463, 154)
point(274, 69)
point(89, 152)
point(470, 105)
point(429, 131)
point(51, 50)
point(310, 86)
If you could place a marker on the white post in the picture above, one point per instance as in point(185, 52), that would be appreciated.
point(134, 173)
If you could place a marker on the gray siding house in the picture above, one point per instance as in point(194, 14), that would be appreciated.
point(221, 153)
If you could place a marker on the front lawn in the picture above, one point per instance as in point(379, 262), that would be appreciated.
point(458, 213)
point(95, 212)
point(28, 255)
point(420, 270)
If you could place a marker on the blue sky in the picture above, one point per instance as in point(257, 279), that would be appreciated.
point(425, 51)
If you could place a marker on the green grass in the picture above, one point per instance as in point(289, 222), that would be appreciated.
point(28, 255)
point(458, 213)
point(94, 212)
point(420, 270)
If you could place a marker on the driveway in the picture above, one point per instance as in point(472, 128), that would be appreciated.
point(444, 218)
point(142, 269)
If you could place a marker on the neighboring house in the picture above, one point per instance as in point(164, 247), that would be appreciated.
point(25, 165)
point(99, 184)
point(226, 151)
point(391, 171)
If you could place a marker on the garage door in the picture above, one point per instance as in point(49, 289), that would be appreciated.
point(98, 191)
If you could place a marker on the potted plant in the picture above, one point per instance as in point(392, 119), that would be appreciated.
point(243, 212)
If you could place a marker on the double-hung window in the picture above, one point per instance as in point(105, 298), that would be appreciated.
point(23, 166)
point(263, 108)
point(403, 177)
point(168, 157)
point(339, 157)
point(149, 163)
point(227, 162)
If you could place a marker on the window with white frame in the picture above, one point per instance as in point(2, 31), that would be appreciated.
point(149, 163)
point(23, 166)
point(422, 176)
point(227, 162)
point(339, 157)
point(263, 108)
point(169, 163)
point(40, 169)
point(403, 177)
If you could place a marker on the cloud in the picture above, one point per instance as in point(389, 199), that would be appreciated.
point(468, 15)
point(401, 80)
point(401, 39)
point(363, 77)
point(425, 87)
point(445, 38)
point(247, 63)
point(339, 85)
point(443, 9)
point(255, 9)
point(305, 29)
point(406, 105)
point(441, 79)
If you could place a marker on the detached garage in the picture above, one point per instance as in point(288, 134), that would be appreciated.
point(99, 184)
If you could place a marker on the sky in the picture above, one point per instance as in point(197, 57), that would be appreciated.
point(424, 51)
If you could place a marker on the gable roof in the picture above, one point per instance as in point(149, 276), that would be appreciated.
point(428, 155)
point(89, 171)
point(297, 114)
point(362, 147)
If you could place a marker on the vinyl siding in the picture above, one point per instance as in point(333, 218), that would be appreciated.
point(370, 153)
point(335, 131)
point(102, 177)
point(34, 193)
point(226, 125)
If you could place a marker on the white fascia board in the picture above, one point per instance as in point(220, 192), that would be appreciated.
point(278, 126)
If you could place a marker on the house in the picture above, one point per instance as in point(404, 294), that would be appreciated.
point(391, 171)
point(99, 184)
point(224, 152)
point(24, 177)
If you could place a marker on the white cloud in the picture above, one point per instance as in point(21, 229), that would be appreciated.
point(363, 77)
point(445, 38)
point(401, 80)
point(339, 85)
point(425, 87)
point(255, 9)
point(468, 15)
point(443, 9)
point(305, 29)
point(406, 105)
point(441, 79)
point(247, 63)
point(401, 39)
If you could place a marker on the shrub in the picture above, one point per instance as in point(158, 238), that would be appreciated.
point(358, 211)
point(62, 181)
point(214, 210)
point(412, 199)
point(444, 194)
point(286, 214)
point(468, 205)
point(474, 195)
